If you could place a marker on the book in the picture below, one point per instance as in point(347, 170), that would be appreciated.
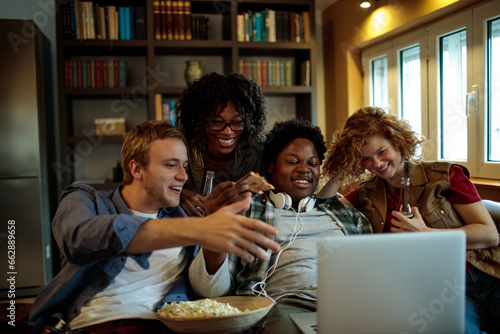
point(279, 70)
point(165, 110)
point(187, 20)
point(305, 73)
point(263, 26)
point(176, 22)
point(116, 73)
point(250, 23)
point(246, 68)
point(256, 72)
point(299, 30)
point(91, 18)
point(293, 28)
point(99, 78)
point(264, 73)
point(74, 70)
point(246, 26)
point(172, 114)
point(79, 81)
point(101, 23)
point(131, 22)
point(286, 26)
point(241, 66)
point(257, 27)
point(128, 23)
point(158, 107)
point(105, 74)
point(116, 23)
point(240, 27)
point(84, 74)
point(270, 71)
point(169, 20)
point(140, 23)
point(271, 37)
point(112, 22)
point(163, 20)
point(288, 73)
point(67, 27)
point(181, 13)
point(157, 19)
point(91, 69)
point(279, 26)
point(122, 23)
point(110, 73)
point(122, 73)
point(307, 27)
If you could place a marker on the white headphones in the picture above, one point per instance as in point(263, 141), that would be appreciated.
point(283, 201)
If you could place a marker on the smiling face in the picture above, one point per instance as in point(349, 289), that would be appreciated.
point(165, 174)
point(222, 143)
point(380, 157)
point(296, 170)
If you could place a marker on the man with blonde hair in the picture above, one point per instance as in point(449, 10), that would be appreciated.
point(125, 251)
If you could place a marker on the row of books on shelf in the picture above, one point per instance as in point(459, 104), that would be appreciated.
point(95, 73)
point(172, 20)
point(165, 109)
point(273, 26)
point(274, 72)
point(89, 20)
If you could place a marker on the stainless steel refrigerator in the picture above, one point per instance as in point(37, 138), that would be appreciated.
point(26, 152)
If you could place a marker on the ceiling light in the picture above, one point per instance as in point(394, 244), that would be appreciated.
point(365, 4)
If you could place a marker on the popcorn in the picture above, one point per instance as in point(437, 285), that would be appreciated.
point(203, 308)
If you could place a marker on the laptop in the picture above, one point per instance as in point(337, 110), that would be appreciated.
point(390, 283)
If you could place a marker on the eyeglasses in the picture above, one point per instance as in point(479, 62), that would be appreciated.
point(219, 125)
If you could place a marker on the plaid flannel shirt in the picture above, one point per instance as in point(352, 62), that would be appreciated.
point(244, 275)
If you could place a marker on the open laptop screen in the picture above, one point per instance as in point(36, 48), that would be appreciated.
point(392, 283)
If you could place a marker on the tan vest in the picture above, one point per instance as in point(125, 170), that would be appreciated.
point(428, 187)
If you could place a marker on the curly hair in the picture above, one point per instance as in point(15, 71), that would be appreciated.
point(345, 153)
point(208, 96)
point(137, 141)
point(283, 133)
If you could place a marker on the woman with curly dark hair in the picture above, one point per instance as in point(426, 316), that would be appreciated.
point(441, 197)
point(222, 117)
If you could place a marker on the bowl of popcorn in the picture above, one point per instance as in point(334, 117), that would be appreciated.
point(230, 314)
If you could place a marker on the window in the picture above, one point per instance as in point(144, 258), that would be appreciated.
point(410, 106)
point(452, 86)
point(445, 81)
point(380, 94)
point(493, 102)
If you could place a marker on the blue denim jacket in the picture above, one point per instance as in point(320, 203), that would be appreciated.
point(92, 230)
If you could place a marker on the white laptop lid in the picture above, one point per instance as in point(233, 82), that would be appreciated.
point(392, 283)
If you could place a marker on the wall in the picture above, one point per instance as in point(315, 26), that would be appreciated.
point(348, 28)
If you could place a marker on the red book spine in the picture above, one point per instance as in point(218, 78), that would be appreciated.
point(246, 70)
point(264, 73)
point(99, 79)
point(79, 71)
point(116, 72)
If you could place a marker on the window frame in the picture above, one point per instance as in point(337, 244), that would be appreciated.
point(474, 20)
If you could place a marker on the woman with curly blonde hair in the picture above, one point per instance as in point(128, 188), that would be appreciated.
point(441, 197)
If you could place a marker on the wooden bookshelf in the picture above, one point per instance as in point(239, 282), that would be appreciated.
point(155, 66)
